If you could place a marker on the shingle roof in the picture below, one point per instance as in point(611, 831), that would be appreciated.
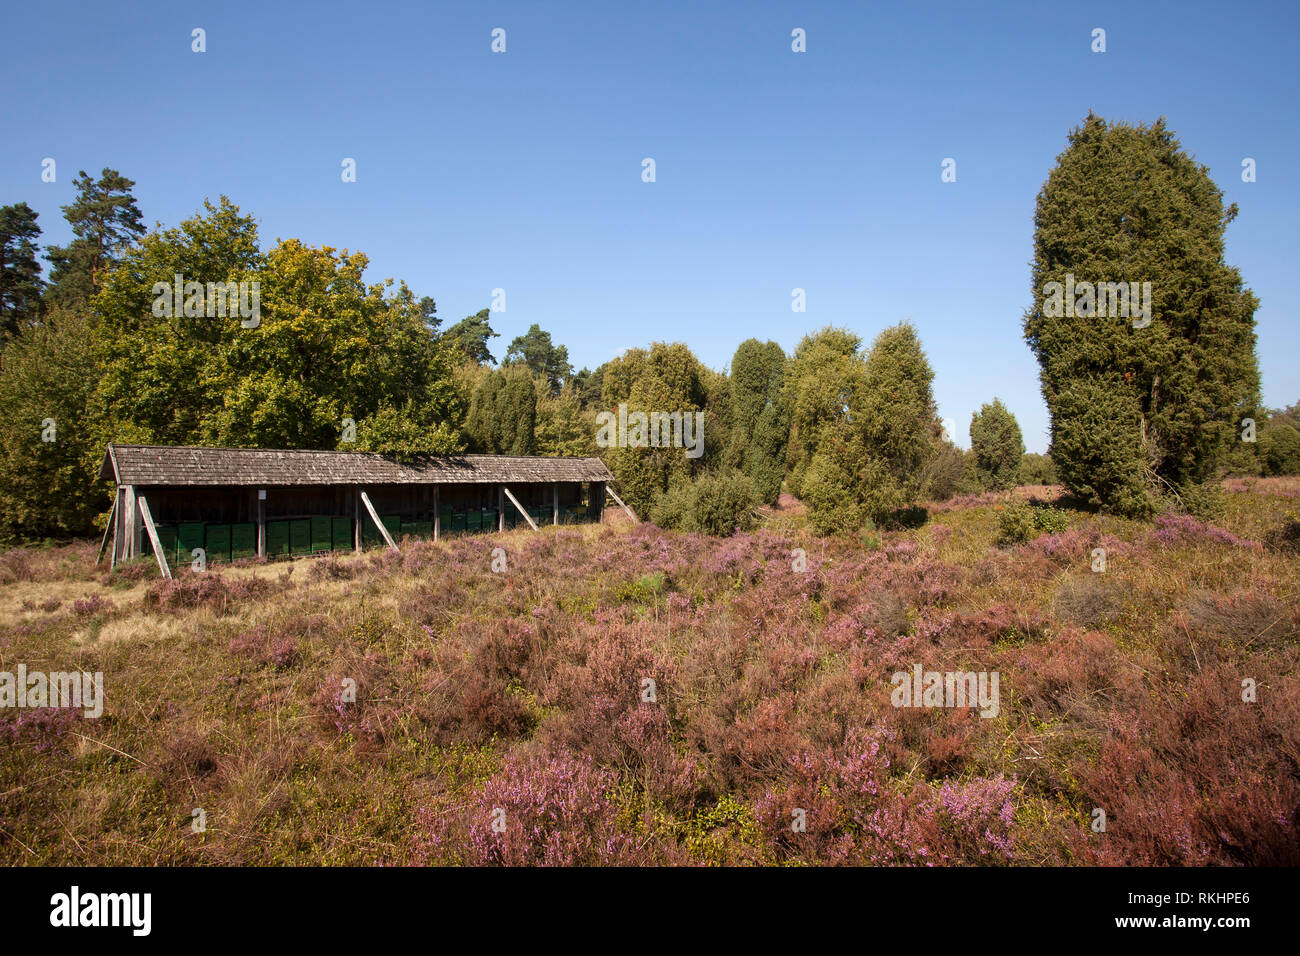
point(178, 465)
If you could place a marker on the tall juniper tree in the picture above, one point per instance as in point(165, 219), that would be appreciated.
point(1152, 399)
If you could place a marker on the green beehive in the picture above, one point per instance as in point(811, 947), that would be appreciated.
point(490, 519)
point(473, 520)
point(243, 540)
point(300, 536)
point(370, 535)
point(459, 522)
point(418, 529)
point(277, 538)
point(218, 542)
point(188, 537)
point(322, 535)
point(341, 529)
point(168, 538)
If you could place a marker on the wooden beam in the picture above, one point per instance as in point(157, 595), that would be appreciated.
point(555, 509)
point(356, 519)
point(437, 514)
point(619, 500)
point(501, 509)
point(112, 513)
point(153, 537)
point(261, 523)
point(130, 526)
point(515, 501)
point(119, 537)
point(365, 500)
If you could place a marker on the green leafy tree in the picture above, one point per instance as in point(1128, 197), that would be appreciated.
point(49, 445)
point(105, 222)
point(326, 347)
point(20, 272)
point(997, 446)
point(1125, 204)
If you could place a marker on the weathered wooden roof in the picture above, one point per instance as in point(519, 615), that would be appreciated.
point(178, 465)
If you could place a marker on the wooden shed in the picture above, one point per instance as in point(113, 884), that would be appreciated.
point(247, 502)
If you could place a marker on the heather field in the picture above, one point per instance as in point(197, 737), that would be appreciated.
point(502, 716)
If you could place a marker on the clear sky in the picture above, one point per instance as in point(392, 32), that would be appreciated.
point(775, 170)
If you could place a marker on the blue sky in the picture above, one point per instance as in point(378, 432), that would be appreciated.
point(775, 170)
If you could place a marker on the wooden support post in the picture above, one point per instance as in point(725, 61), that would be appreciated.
point(147, 520)
point(112, 513)
point(437, 514)
point(596, 501)
point(365, 500)
point(356, 518)
point(130, 526)
point(501, 509)
point(515, 501)
point(555, 508)
point(261, 523)
point(119, 537)
point(619, 500)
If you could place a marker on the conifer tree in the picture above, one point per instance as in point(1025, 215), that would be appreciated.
point(997, 446)
point(20, 273)
point(1167, 389)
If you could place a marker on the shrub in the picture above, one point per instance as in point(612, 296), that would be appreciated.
point(1285, 538)
point(712, 504)
point(1279, 446)
point(945, 473)
point(1015, 523)
point(1206, 501)
point(547, 810)
point(1036, 469)
point(1050, 520)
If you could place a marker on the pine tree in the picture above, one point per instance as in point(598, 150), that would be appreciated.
point(469, 337)
point(1125, 204)
point(535, 350)
point(20, 273)
point(105, 221)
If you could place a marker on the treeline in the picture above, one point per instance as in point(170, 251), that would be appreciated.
point(1140, 410)
point(327, 360)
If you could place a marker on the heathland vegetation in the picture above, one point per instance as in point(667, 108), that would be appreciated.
point(680, 690)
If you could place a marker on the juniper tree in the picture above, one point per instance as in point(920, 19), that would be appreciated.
point(758, 422)
point(1125, 204)
point(996, 445)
